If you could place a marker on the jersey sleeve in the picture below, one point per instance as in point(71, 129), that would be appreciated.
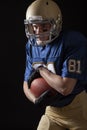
point(28, 65)
point(75, 57)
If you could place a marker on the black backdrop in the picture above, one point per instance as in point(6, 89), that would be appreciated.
point(16, 110)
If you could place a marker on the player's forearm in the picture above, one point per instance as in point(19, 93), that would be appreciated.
point(62, 85)
point(51, 78)
point(28, 93)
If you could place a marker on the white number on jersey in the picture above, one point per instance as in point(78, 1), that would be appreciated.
point(74, 66)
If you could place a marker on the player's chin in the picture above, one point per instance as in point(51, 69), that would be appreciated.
point(41, 41)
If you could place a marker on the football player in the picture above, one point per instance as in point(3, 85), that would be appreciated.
point(60, 57)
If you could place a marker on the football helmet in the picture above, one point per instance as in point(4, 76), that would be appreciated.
point(43, 12)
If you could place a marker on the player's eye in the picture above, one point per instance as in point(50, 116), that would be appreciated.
point(46, 27)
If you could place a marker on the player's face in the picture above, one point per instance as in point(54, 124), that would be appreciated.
point(41, 31)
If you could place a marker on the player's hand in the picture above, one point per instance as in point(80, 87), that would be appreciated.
point(45, 99)
point(49, 66)
point(33, 76)
point(36, 66)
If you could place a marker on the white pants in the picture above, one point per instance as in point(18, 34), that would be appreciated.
point(72, 116)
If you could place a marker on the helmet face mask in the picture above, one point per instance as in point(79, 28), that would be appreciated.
point(42, 30)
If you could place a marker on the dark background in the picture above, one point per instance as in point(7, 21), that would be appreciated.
point(16, 111)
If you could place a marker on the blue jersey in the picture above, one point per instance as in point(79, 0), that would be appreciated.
point(68, 55)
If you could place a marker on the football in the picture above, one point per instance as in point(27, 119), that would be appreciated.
point(38, 86)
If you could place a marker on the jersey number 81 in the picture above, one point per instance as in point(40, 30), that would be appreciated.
point(74, 66)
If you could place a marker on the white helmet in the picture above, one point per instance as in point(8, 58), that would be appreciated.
point(43, 11)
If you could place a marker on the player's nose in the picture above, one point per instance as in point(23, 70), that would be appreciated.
point(39, 30)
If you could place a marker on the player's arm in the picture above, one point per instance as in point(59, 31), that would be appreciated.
point(28, 93)
point(42, 100)
point(60, 84)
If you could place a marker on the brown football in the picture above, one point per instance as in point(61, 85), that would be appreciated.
point(38, 86)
